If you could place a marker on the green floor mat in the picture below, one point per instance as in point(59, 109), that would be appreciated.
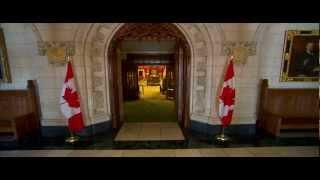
point(151, 107)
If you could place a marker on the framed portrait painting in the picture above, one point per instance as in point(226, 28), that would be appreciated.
point(4, 64)
point(300, 56)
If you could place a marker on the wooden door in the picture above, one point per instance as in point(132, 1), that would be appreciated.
point(186, 68)
point(116, 96)
point(182, 70)
point(169, 82)
point(130, 81)
point(179, 83)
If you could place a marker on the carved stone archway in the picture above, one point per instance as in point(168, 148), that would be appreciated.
point(92, 42)
point(150, 32)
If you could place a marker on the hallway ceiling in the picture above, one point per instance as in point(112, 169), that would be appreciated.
point(135, 46)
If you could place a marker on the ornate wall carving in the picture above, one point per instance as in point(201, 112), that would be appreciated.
point(202, 54)
point(241, 50)
point(56, 51)
point(98, 72)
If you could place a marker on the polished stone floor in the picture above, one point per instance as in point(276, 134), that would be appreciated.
point(291, 151)
point(194, 140)
point(150, 131)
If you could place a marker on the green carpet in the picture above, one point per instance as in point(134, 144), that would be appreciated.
point(151, 107)
point(152, 110)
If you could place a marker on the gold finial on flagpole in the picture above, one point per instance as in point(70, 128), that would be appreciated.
point(68, 54)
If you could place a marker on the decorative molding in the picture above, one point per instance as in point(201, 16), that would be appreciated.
point(98, 99)
point(149, 31)
point(97, 74)
point(201, 61)
point(240, 49)
point(56, 51)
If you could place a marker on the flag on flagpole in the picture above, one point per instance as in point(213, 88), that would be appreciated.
point(227, 95)
point(70, 103)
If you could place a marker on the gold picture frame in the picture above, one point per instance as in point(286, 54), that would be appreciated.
point(5, 75)
point(300, 61)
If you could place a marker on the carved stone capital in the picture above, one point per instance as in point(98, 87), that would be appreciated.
point(241, 50)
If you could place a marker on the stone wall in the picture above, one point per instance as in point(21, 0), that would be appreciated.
point(209, 42)
point(26, 63)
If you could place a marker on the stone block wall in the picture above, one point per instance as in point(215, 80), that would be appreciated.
point(207, 41)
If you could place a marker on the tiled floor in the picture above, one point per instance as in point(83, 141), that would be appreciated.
point(293, 151)
point(150, 131)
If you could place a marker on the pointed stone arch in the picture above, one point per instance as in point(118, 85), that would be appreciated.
point(92, 42)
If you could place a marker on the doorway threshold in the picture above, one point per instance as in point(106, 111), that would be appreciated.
point(150, 131)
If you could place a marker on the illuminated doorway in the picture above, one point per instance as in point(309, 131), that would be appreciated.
point(146, 44)
point(155, 99)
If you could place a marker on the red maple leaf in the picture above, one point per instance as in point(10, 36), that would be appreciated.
point(71, 98)
point(227, 96)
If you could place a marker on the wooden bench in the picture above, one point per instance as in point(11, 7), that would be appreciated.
point(287, 109)
point(19, 111)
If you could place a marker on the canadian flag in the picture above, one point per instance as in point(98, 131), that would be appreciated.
point(70, 103)
point(227, 95)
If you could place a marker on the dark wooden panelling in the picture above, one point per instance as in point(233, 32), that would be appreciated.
point(20, 111)
point(288, 109)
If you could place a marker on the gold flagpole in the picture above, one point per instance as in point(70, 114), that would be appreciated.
point(72, 138)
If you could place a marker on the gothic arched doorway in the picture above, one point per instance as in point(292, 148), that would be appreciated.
point(178, 61)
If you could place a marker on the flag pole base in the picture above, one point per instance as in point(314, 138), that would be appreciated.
point(222, 138)
point(72, 139)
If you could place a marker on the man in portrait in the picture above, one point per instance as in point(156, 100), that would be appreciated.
point(307, 63)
